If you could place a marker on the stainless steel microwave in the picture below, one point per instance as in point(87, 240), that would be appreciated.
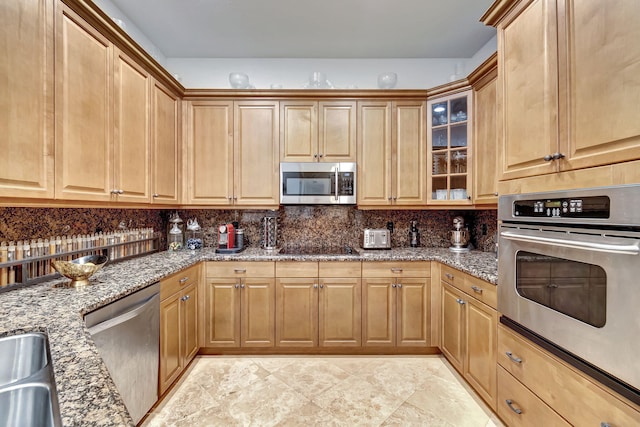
point(318, 183)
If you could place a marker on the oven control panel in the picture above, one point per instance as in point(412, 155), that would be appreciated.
point(585, 207)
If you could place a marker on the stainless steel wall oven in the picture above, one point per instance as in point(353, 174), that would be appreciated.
point(569, 278)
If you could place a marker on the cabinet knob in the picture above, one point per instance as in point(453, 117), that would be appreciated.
point(237, 285)
point(460, 301)
point(399, 285)
point(547, 158)
point(321, 286)
point(321, 155)
point(513, 408)
point(242, 286)
point(114, 191)
point(315, 156)
point(185, 298)
point(389, 198)
point(393, 285)
point(156, 195)
point(515, 359)
point(557, 156)
point(235, 197)
point(230, 198)
point(395, 198)
point(315, 286)
point(495, 194)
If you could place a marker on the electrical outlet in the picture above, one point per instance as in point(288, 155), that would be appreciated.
point(484, 229)
point(390, 226)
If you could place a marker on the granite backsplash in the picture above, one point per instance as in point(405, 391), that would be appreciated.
point(313, 225)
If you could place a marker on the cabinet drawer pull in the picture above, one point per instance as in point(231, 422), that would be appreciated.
point(604, 424)
point(396, 270)
point(513, 408)
point(512, 357)
point(240, 270)
point(477, 289)
point(449, 276)
point(460, 301)
point(183, 280)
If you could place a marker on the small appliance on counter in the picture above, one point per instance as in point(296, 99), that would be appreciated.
point(414, 235)
point(376, 238)
point(459, 236)
point(228, 240)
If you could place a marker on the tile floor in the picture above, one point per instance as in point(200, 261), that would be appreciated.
point(321, 391)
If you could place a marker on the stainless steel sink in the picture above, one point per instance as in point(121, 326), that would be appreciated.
point(22, 356)
point(28, 404)
point(27, 386)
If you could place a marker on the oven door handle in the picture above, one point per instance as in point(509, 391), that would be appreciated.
point(629, 249)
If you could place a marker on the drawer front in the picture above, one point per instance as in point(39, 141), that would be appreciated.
point(296, 269)
point(177, 281)
point(396, 269)
point(452, 276)
point(518, 406)
point(579, 399)
point(481, 290)
point(240, 269)
point(339, 269)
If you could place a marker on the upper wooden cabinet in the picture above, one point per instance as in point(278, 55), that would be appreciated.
point(232, 153)
point(391, 153)
point(449, 148)
point(131, 144)
point(165, 143)
point(485, 149)
point(317, 131)
point(567, 92)
point(83, 112)
point(26, 104)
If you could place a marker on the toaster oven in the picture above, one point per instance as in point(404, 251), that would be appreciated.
point(376, 238)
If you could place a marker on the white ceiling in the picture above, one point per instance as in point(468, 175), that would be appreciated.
point(311, 29)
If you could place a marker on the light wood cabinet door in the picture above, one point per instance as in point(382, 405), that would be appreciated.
point(170, 341)
point(27, 101)
point(296, 312)
point(409, 181)
point(83, 111)
point(258, 312)
point(378, 312)
point(600, 82)
point(165, 142)
point(413, 311)
point(528, 90)
point(209, 168)
point(256, 153)
point(222, 313)
point(131, 136)
point(374, 153)
point(189, 317)
point(481, 346)
point(299, 131)
point(337, 131)
point(453, 326)
point(340, 312)
point(485, 145)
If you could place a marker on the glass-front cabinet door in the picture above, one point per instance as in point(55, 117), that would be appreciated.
point(449, 138)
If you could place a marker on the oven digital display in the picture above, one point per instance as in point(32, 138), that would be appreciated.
point(585, 207)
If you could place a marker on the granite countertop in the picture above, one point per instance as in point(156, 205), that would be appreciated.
point(86, 393)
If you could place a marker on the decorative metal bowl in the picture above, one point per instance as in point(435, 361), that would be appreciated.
point(80, 269)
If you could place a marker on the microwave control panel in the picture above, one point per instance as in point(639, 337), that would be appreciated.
point(584, 207)
point(345, 183)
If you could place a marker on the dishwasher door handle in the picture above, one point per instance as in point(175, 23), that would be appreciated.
point(121, 318)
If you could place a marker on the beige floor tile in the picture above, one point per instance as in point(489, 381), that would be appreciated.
point(225, 375)
point(311, 415)
point(358, 402)
point(311, 376)
point(408, 415)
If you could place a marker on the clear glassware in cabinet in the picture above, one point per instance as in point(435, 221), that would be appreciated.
point(449, 149)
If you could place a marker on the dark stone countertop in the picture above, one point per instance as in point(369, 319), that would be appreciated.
point(86, 393)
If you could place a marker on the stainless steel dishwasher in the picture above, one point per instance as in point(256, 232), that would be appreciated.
point(127, 334)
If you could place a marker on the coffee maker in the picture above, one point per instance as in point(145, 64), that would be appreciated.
point(459, 236)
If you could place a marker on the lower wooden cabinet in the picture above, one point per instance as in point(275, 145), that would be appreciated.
point(468, 332)
point(317, 311)
point(178, 324)
point(240, 304)
point(396, 304)
point(573, 396)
